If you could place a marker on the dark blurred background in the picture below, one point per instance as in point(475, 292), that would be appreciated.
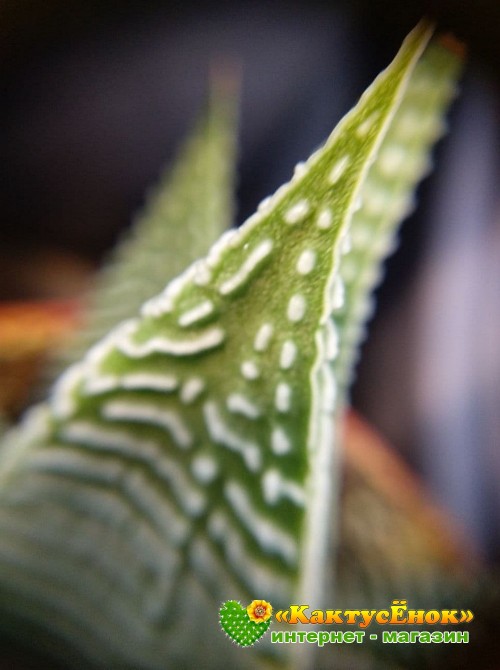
point(95, 97)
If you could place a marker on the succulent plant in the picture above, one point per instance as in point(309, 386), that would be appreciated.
point(191, 455)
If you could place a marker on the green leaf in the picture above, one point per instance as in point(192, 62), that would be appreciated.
point(387, 194)
point(184, 215)
point(386, 198)
point(187, 460)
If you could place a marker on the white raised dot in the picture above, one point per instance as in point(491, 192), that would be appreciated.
point(236, 240)
point(325, 219)
point(204, 468)
point(296, 308)
point(338, 293)
point(220, 246)
point(297, 212)
point(331, 340)
point(239, 404)
point(364, 127)
point(197, 313)
point(191, 389)
point(249, 370)
point(157, 306)
point(85, 432)
point(280, 442)
point(249, 265)
point(264, 204)
point(391, 160)
point(328, 388)
point(358, 204)
point(132, 381)
point(201, 273)
point(263, 337)
point(149, 413)
point(306, 262)
point(299, 170)
point(64, 394)
point(275, 487)
point(288, 354)
point(283, 397)
point(338, 169)
point(164, 345)
point(346, 244)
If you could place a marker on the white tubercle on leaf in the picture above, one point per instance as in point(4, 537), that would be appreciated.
point(275, 488)
point(201, 273)
point(121, 410)
point(283, 397)
point(365, 127)
point(192, 389)
point(338, 293)
point(263, 337)
point(216, 250)
point(263, 205)
point(297, 212)
point(147, 381)
point(332, 340)
point(306, 262)
point(280, 442)
point(249, 265)
point(337, 171)
point(249, 370)
point(63, 395)
point(204, 468)
point(296, 309)
point(299, 170)
point(346, 244)
point(325, 219)
point(288, 354)
point(239, 404)
point(188, 346)
point(197, 313)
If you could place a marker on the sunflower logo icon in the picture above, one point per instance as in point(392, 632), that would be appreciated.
point(259, 610)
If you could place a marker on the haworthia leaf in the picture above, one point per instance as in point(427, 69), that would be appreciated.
point(386, 198)
point(387, 194)
point(185, 214)
point(187, 459)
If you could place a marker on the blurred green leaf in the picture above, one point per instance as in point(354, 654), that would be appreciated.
point(191, 456)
